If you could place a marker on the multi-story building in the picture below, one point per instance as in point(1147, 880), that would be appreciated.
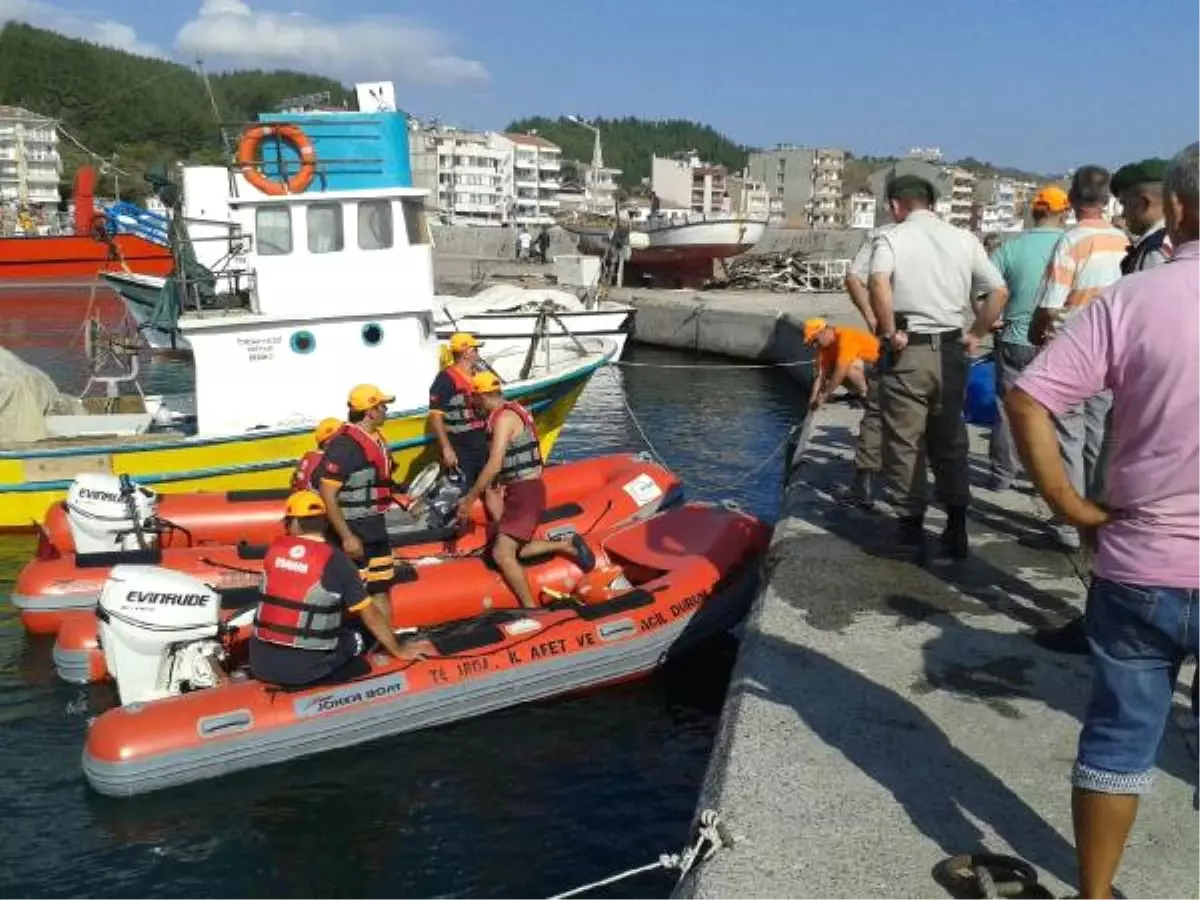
point(955, 187)
point(600, 187)
point(804, 184)
point(998, 200)
point(463, 173)
point(529, 177)
point(860, 210)
point(30, 166)
point(749, 198)
point(685, 183)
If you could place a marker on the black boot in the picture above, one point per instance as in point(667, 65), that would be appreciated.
point(910, 538)
point(954, 537)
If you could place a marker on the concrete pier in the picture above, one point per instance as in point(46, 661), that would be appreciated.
point(883, 717)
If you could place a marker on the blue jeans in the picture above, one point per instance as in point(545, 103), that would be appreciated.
point(1139, 637)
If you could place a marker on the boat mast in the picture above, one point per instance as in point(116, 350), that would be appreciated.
point(216, 110)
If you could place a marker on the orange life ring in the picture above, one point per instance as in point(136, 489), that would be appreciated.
point(248, 162)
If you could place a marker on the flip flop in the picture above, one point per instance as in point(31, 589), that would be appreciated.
point(587, 559)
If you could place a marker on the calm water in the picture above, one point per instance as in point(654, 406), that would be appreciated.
point(526, 803)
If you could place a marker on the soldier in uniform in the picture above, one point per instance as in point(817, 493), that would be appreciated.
point(924, 273)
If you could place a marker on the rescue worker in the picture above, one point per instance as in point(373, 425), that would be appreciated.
point(355, 481)
point(514, 463)
point(848, 356)
point(1139, 187)
point(456, 422)
point(924, 274)
point(303, 631)
point(302, 477)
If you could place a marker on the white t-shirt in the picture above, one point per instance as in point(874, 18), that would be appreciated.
point(525, 239)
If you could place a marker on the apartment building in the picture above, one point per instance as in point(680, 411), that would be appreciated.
point(860, 210)
point(30, 165)
point(998, 199)
point(684, 183)
point(530, 177)
point(804, 184)
point(463, 173)
point(955, 188)
point(749, 198)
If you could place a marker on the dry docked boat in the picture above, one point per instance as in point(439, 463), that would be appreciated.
point(689, 573)
point(111, 528)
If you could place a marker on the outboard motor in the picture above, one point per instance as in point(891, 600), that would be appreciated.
point(441, 502)
point(111, 514)
point(159, 631)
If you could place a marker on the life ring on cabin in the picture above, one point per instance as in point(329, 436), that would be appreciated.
point(248, 162)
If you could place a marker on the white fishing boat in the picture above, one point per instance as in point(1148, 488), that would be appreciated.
point(505, 316)
point(320, 291)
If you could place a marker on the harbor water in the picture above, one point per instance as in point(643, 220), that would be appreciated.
point(527, 802)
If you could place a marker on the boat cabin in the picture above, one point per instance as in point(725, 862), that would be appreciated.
point(324, 290)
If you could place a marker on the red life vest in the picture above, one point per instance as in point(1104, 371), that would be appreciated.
point(296, 611)
point(302, 477)
point(367, 490)
point(523, 455)
point(460, 415)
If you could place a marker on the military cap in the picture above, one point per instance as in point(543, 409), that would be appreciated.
point(1145, 172)
point(911, 185)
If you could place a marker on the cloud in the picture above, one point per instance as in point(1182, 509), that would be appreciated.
point(77, 24)
point(358, 49)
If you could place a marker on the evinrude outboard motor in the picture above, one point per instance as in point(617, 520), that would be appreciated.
point(159, 630)
point(110, 514)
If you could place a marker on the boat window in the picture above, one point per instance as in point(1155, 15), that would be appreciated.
point(372, 334)
point(374, 225)
point(273, 231)
point(325, 228)
point(303, 342)
point(414, 221)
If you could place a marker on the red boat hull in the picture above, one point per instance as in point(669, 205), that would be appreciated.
point(74, 256)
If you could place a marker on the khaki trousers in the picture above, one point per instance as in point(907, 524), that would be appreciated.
point(921, 392)
point(868, 449)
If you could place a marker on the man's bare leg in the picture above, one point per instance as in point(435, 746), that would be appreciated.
point(504, 552)
point(1102, 826)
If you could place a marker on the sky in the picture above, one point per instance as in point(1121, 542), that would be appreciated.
point(1043, 85)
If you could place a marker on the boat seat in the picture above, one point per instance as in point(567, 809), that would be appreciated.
point(460, 637)
point(630, 600)
point(152, 557)
point(250, 496)
point(115, 425)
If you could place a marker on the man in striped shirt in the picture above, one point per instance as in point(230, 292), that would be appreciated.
point(1086, 260)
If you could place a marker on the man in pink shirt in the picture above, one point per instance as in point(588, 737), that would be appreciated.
point(1140, 339)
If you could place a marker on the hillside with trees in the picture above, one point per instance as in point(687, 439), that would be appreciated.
point(629, 143)
point(130, 110)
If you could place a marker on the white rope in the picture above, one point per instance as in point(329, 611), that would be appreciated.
point(709, 840)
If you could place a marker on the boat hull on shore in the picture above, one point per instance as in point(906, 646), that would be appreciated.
point(78, 256)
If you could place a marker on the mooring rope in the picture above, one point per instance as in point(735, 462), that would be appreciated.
point(711, 836)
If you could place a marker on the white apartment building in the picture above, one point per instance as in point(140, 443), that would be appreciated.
point(999, 210)
point(860, 210)
point(529, 177)
point(749, 199)
point(30, 165)
point(961, 195)
point(600, 187)
point(825, 208)
point(463, 173)
point(683, 182)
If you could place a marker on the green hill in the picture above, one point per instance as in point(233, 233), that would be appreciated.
point(140, 109)
point(630, 142)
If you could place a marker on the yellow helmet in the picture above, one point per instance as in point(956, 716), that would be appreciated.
point(367, 396)
point(304, 505)
point(486, 383)
point(326, 429)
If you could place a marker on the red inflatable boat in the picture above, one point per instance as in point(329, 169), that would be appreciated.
point(688, 572)
point(435, 592)
point(581, 496)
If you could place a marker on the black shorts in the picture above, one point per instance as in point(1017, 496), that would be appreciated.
point(293, 668)
point(377, 567)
